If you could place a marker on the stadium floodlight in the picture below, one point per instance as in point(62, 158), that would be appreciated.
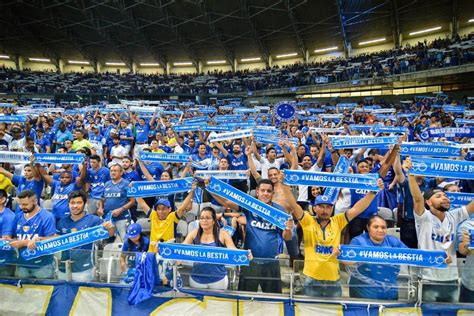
point(4, 57)
point(425, 31)
point(149, 64)
point(114, 64)
point(377, 40)
point(78, 62)
point(322, 50)
point(216, 62)
point(470, 21)
point(46, 60)
point(183, 63)
point(287, 55)
point(250, 59)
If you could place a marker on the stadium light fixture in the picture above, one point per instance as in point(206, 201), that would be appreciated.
point(287, 55)
point(45, 60)
point(425, 31)
point(322, 50)
point(114, 64)
point(377, 40)
point(470, 21)
point(244, 60)
point(149, 64)
point(183, 63)
point(216, 62)
point(4, 57)
point(78, 62)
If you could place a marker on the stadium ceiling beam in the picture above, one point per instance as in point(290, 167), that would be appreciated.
point(128, 14)
point(229, 54)
point(33, 40)
point(342, 26)
point(454, 20)
point(294, 25)
point(169, 19)
point(395, 23)
point(260, 44)
point(106, 35)
point(368, 11)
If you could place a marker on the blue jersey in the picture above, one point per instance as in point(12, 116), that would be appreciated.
point(115, 196)
point(379, 281)
point(81, 257)
point(23, 184)
point(133, 249)
point(40, 225)
point(7, 229)
point(155, 169)
point(358, 194)
point(97, 179)
point(60, 198)
point(43, 143)
point(141, 133)
point(237, 163)
point(262, 237)
point(128, 133)
point(131, 176)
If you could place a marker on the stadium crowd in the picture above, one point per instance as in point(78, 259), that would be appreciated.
point(57, 199)
point(423, 56)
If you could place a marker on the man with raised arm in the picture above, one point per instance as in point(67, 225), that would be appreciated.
point(436, 230)
point(322, 238)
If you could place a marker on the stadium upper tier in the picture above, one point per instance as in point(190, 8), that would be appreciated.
point(437, 54)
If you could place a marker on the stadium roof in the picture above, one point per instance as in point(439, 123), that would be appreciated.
point(150, 31)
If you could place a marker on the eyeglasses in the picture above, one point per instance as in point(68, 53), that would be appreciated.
point(205, 218)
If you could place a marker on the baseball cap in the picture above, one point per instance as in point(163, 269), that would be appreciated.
point(428, 194)
point(322, 199)
point(164, 202)
point(133, 230)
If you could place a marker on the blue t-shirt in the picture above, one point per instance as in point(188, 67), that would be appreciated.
point(237, 163)
point(141, 133)
point(43, 143)
point(7, 228)
point(358, 194)
point(115, 196)
point(60, 198)
point(131, 176)
point(81, 257)
point(262, 237)
point(97, 179)
point(381, 278)
point(128, 133)
point(42, 224)
point(23, 184)
point(155, 169)
point(135, 248)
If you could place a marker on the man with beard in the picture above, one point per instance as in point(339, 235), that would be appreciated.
point(33, 224)
point(436, 230)
point(237, 161)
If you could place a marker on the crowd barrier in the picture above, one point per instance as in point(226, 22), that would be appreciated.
point(108, 291)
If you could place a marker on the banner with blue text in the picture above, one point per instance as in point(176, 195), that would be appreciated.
point(398, 256)
point(429, 149)
point(60, 158)
point(362, 141)
point(431, 167)
point(267, 212)
point(154, 188)
point(158, 157)
point(341, 167)
point(203, 254)
point(338, 180)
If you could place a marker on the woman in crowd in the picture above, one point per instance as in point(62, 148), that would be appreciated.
point(204, 275)
point(375, 281)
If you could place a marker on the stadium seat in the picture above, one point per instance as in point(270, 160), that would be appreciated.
point(182, 229)
point(47, 204)
point(394, 231)
point(387, 214)
point(109, 264)
point(145, 223)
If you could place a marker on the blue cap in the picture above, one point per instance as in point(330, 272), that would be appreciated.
point(133, 230)
point(164, 202)
point(322, 199)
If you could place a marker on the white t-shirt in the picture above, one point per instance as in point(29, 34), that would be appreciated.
point(303, 189)
point(436, 235)
point(467, 277)
point(343, 202)
point(266, 164)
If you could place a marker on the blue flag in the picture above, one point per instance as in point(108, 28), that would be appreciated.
point(431, 167)
point(12, 118)
point(66, 242)
point(338, 180)
point(267, 212)
point(203, 254)
point(460, 199)
point(154, 188)
point(398, 256)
